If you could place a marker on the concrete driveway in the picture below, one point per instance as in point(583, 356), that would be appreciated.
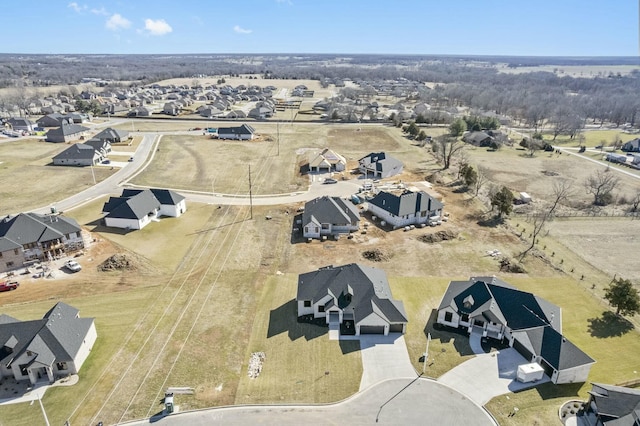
point(488, 375)
point(384, 358)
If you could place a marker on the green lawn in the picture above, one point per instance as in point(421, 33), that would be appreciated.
point(302, 364)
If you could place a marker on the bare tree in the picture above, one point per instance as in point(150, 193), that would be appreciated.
point(448, 148)
point(561, 190)
point(635, 202)
point(601, 185)
point(481, 179)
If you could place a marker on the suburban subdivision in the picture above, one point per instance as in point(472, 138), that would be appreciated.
point(377, 245)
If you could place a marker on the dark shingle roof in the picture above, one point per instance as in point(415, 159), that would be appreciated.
point(67, 130)
point(368, 287)
point(164, 196)
point(7, 244)
point(406, 203)
point(616, 402)
point(245, 129)
point(134, 207)
point(27, 228)
point(56, 337)
point(333, 210)
point(77, 151)
point(112, 134)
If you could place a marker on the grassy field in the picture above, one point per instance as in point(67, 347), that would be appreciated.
point(593, 138)
point(35, 182)
point(302, 364)
point(212, 293)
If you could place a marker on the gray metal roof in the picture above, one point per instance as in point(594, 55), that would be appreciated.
point(244, 129)
point(368, 289)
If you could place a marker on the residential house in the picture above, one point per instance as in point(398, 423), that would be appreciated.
point(478, 139)
point(528, 323)
point(407, 208)
point(210, 112)
point(140, 111)
point(53, 120)
point(379, 165)
point(66, 133)
point(327, 160)
point(112, 135)
point(171, 108)
point(325, 216)
point(103, 147)
point(632, 146)
point(261, 113)
point(42, 237)
point(47, 349)
point(11, 255)
point(20, 124)
point(353, 298)
point(78, 154)
point(136, 208)
point(243, 132)
point(78, 118)
point(612, 406)
point(236, 114)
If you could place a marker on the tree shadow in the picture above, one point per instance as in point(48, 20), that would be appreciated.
point(457, 336)
point(609, 325)
point(285, 319)
point(492, 222)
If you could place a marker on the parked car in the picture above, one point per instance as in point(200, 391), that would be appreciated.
point(330, 180)
point(106, 161)
point(9, 285)
point(73, 266)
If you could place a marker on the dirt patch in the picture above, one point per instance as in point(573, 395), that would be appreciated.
point(436, 237)
point(508, 265)
point(375, 255)
point(119, 262)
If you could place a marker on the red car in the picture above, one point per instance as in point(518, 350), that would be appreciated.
point(8, 285)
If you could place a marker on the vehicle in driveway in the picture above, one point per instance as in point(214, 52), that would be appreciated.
point(130, 159)
point(73, 266)
point(9, 285)
point(330, 180)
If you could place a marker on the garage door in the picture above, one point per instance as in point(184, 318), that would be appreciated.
point(395, 328)
point(372, 329)
point(522, 350)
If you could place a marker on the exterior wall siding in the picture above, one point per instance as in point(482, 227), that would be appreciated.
point(85, 349)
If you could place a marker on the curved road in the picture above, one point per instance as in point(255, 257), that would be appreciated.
point(392, 402)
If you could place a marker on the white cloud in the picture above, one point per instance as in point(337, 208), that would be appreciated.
point(157, 27)
point(117, 22)
point(75, 6)
point(241, 30)
point(102, 11)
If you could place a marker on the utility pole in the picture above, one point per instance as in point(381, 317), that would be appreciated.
point(44, 413)
point(278, 137)
point(93, 174)
point(250, 195)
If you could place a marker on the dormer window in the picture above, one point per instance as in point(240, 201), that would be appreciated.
point(468, 302)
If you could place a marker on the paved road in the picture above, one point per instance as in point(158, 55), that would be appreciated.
point(112, 183)
point(602, 163)
point(393, 402)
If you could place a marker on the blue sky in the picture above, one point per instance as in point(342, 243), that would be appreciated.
point(482, 27)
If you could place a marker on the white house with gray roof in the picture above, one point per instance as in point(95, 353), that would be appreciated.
point(136, 208)
point(112, 135)
point(41, 237)
point(66, 133)
point(356, 298)
point(243, 132)
point(326, 216)
point(46, 349)
point(327, 160)
point(379, 165)
point(531, 325)
point(407, 208)
point(79, 154)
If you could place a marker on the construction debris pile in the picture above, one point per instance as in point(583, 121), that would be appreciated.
point(439, 236)
point(255, 364)
point(118, 262)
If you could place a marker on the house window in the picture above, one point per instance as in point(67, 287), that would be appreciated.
point(23, 369)
point(0, 255)
point(325, 226)
point(307, 303)
point(61, 365)
point(464, 318)
point(321, 308)
point(448, 316)
point(29, 353)
point(9, 264)
point(15, 251)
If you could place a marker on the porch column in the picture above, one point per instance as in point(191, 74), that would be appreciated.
point(50, 374)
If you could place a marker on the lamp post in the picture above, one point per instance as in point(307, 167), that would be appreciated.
point(426, 354)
